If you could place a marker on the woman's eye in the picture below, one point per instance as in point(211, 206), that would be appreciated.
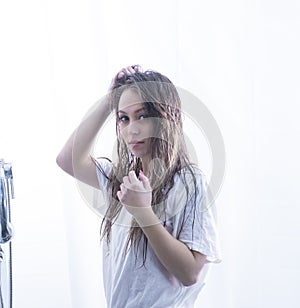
point(123, 119)
point(143, 116)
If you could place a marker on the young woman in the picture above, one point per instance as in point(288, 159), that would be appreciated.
point(159, 232)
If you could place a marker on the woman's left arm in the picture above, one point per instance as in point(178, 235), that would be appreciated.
point(176, 257)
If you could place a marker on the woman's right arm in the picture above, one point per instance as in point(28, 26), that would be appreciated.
point(75, 158)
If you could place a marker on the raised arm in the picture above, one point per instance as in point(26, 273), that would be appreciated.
point(75, 158)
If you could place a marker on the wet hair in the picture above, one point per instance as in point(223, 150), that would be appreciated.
point(169, 156)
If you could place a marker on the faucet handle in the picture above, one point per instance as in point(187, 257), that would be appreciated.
point(9, 177)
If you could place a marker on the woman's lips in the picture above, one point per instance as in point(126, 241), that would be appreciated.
point(135, 143)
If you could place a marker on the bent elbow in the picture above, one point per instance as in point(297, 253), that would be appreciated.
point(190, 281)
point(60, 161)
point(193, 276)
point(64, 164)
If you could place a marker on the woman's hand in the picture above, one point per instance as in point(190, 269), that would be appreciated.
point(135, 193)
point(129, 70)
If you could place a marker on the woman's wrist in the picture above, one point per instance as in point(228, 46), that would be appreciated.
point(145, 217)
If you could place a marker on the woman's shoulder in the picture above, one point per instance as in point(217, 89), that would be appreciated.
point(104, 167)
point(189, 179)
point(190, 172)
point(103, 162)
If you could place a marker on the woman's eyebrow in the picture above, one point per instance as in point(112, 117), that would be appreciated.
point(136, 111)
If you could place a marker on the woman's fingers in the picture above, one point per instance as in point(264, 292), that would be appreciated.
point(131, 182)
point(135, 67)
point(135, 192)
point(129, 70)
point(120, 75)
point(119, 195)
point(132, 177)
point(126, 181)
point(145, 181)
point(126, 71)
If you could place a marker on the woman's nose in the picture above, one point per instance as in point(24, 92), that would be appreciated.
point(133, 128)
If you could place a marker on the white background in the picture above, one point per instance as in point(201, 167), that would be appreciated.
point(241, 58)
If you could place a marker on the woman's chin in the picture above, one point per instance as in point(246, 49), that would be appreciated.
point(138, 154)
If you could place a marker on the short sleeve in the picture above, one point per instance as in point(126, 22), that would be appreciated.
point(103, 169)
point(195, 223)
point(100, 197)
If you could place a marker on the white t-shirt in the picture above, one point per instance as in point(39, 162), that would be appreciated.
point(127, 283)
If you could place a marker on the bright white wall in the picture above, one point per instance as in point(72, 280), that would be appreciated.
point(239, 57)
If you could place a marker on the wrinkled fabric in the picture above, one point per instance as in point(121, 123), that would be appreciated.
point(127, 283)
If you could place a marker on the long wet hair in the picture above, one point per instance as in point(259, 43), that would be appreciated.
point(169, 154)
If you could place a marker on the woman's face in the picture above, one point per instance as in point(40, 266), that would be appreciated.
point(134, 123)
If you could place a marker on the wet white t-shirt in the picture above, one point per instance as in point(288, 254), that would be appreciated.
point(129, 284)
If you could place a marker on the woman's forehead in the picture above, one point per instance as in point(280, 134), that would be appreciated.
point(130, 101)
